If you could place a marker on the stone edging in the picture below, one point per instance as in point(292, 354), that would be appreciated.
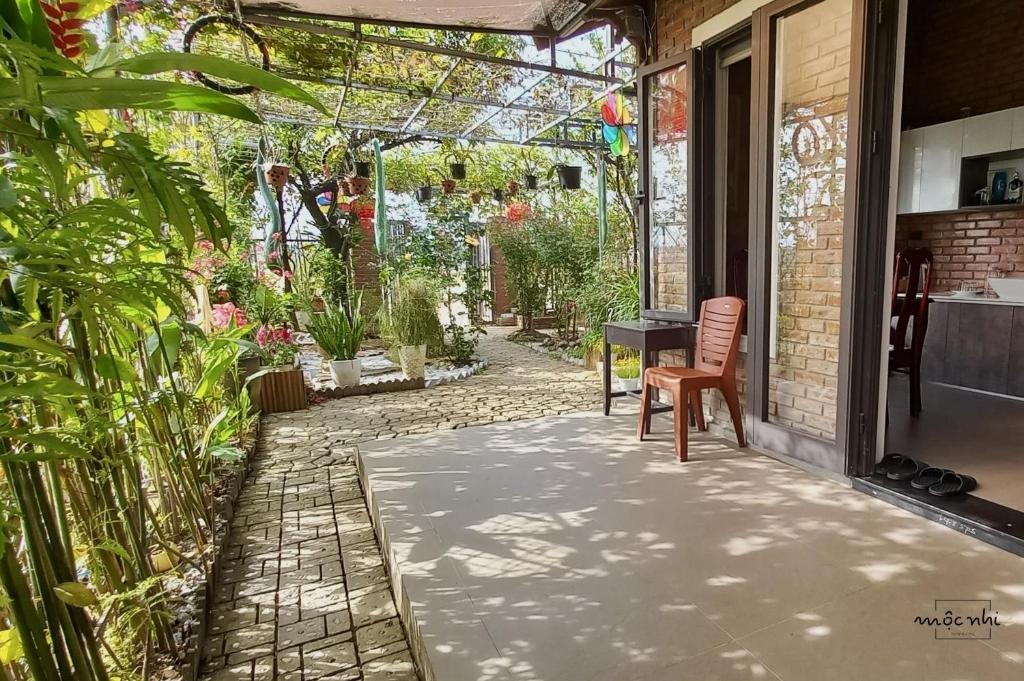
point(559, 354)
point(222, 524)
point(401, 384)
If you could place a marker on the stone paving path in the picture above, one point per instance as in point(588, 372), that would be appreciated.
point(303, 594)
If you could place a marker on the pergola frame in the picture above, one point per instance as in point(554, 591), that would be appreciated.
point(604, 77)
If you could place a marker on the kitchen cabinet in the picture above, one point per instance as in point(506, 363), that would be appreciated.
point(989, 133)
point(908, 196)
point(942, 149)
point(1017, 133)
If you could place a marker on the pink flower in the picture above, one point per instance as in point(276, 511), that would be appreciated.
point(225, 313)
point(287, 274)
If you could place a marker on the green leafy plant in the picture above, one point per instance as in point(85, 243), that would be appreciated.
point(627, 367)
point(413, 316)
point(337, 333)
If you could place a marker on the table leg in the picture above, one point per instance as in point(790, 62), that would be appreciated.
point(607, 378)
point(648, 359)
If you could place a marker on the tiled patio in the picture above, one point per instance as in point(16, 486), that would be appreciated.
point(561, 549)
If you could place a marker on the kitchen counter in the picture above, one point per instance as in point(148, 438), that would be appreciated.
point(982, 300)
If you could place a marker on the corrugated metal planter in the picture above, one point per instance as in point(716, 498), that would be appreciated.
point(282, 390)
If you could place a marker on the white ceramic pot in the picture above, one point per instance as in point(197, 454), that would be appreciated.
point(413, 359)
point(345, 372)
point(629, 384)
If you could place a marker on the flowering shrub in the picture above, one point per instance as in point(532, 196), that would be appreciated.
point(226, 313)
point(206, 261)
point(277, 344)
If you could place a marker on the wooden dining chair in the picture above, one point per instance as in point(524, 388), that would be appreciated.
point(714, 366)
point(912, 277)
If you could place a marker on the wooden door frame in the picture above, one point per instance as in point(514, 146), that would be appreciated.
point(816, 451)
point(694, 184)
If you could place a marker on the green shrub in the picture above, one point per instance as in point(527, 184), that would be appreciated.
point(627, 367)
point(338, 334)
point(413, 317)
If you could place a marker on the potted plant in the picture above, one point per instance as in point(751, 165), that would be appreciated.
point(424, 193)
point(282, 387)
point(448, 186)
point(339, 335)
point(412, 324)
point(512, 188)
point(276, 174)
point(359, 185)
point(532, 181)
point(475, 197)
point(362, 169)
point(499, 195)
point(456, 159)
point(627, 370)
point(568, 176)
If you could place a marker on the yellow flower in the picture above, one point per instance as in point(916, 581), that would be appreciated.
point(407, 256)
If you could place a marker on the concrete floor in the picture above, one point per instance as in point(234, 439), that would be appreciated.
point(562, 549)
point(974, 433)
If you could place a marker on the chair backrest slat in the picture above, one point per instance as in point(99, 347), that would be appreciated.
point(718, 334)
point(913, 277)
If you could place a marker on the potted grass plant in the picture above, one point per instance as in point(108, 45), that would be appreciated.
point(339, 335)
point(627, 370)
point(413, 324)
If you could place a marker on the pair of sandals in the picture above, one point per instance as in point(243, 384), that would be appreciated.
point(942, 482)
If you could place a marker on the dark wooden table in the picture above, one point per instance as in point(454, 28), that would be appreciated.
point(649, 337)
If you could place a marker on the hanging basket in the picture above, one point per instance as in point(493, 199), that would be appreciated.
point(362, 168)
point(276, 174)
point(344, 186)
point(475, 197)
point(532, 182)
point(359, 185)
point(448, 186)
point(512, 188)
point(569, 176)
point(458, 170)
point(499, 195)
point(424, 193)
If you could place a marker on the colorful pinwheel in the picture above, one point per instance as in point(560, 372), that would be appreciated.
point(619, 131)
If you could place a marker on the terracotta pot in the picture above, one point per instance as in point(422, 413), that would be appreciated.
point(513, 188)
point(362, 169)
point(276, 174)
point(458, 170)
point(448, 186)
point(475, 197)
point(359, 185)
point(345, 187)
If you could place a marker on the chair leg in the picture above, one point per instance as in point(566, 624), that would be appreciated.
point(732, 399)
point(681, 423)
point(697, 405)
point(645, 412)
point(915, 388)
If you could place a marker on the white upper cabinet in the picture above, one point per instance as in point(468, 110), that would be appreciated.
point(1017, 136)
point(908, 196)
point(988, 134)
point(940, 166)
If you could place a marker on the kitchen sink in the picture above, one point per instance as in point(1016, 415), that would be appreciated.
point(1008, 289)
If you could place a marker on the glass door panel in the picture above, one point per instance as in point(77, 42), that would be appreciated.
point(668, 229)
point(807, 193)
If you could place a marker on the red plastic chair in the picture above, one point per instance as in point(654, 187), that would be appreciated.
point(714, 366)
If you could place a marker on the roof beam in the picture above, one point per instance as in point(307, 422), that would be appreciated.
point(565, 117)
point(262, 19)
point(433, 93)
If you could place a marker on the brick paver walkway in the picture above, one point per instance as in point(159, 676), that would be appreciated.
point(303, 592)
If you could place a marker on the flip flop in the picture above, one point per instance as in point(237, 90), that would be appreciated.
point(952, 484)
point(907, 469)
point(928, 477)
point(888, 462)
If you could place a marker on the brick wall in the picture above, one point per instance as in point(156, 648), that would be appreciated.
point(674, 20)
point(968, 247)
point(962, 53)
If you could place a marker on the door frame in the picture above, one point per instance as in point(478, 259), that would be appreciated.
point(697, 260)
point(819, 452)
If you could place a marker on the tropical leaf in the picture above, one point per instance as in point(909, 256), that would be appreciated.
point(162, 62)
point(10, 646)
point(76, 594)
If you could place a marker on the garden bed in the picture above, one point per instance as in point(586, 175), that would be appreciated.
point(540, 346)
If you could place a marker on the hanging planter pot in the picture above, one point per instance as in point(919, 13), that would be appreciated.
point(458, 170)
point(448, 186)
point(532, 182)
point(362, 168)
point(475, 197)
point(276, 174)
point(359, 185)
point(424, 193)
point(512, 188)
point(344, 186)
point(499, 195)
point(569, 176)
